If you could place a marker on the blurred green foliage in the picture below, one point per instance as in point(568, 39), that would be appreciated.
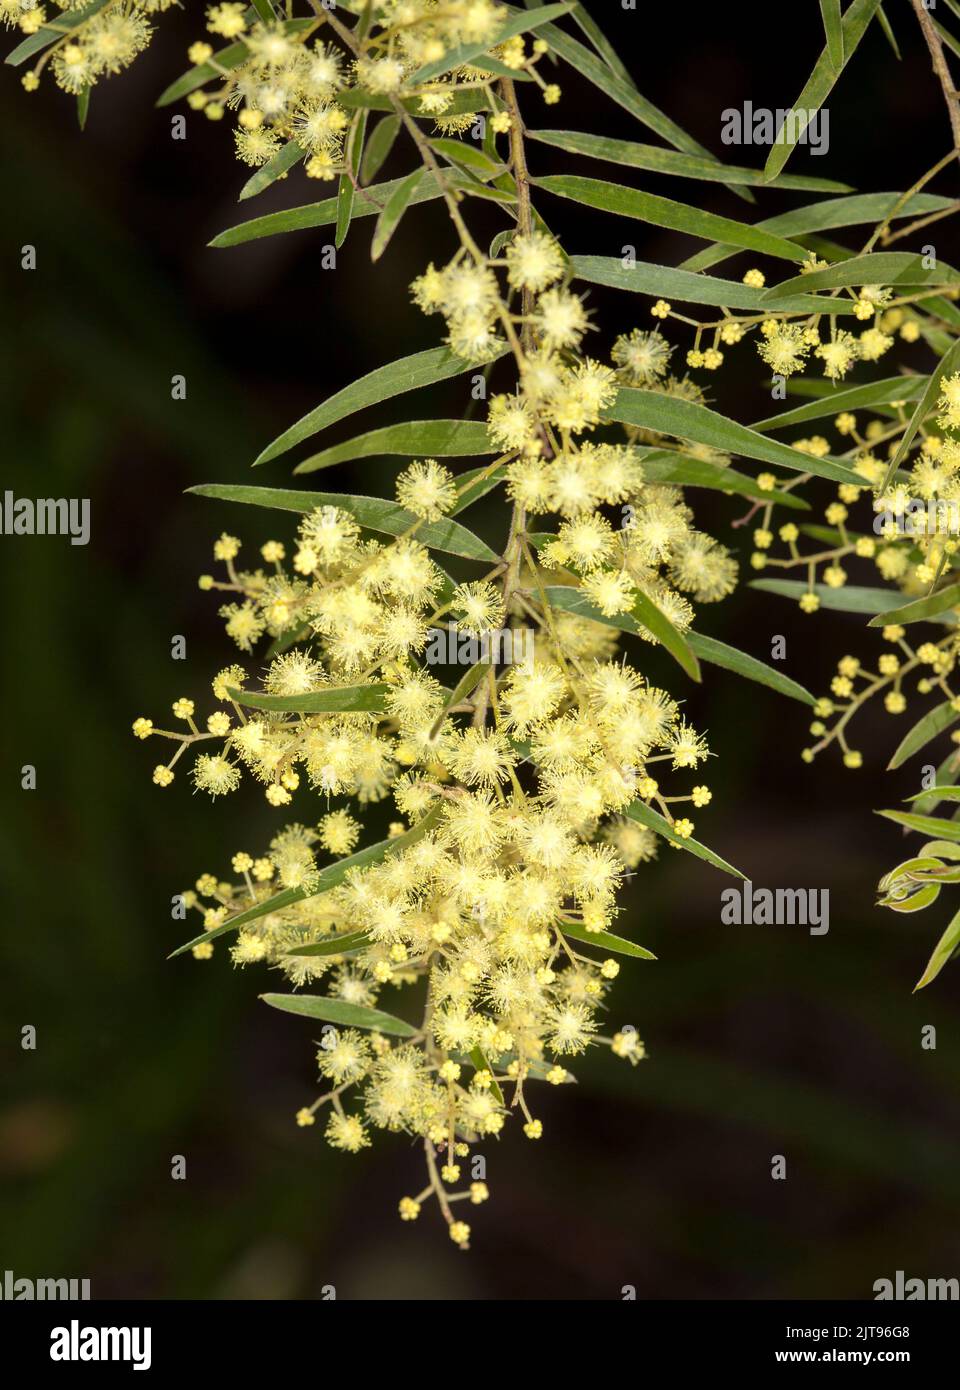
point(763, 1041)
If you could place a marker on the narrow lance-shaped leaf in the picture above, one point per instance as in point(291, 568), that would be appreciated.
point(850, 598)
point(328, 878)
point(48, 34)
point(389, 219)
point(921, 609)
point(466, 685)
point(602, 44)
point(378, 147)
point(933, 723)
point(945, 948)
point(894, 388)
point(645, 615)
point(657, 160)
point(645, 815)
point(654, 410)
point(274, 169)
point(605, 941)
point(666, 466)
point(926, 825)
point(874, 268)
point(825, 73)
point(625, 94)
point(481, 1064)
point(336, 945)
point(375, 513)
point(949, 363)
point(522, 22)
point(346, 190)
point(339, 1011)
point(666, 282)
point(853, 211)
point(664, 212)
point(742, 664)
point(833, 29)
point(369, 202)
point(336, 699)
point(428, 438)
point(394, 379)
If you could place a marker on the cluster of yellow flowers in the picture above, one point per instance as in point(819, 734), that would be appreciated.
point(912, 538)
point(90, 40)
point(515, 799)
point(787, 342)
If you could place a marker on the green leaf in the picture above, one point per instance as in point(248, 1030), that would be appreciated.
point(948, 365)
point(519, 23)
point(665, 466)
point(852, 211)
point(281, 162)
point(664, 212)
point(944, 949)
point(83, 107)
point(378, 147)
point(339, 1011)
point(894, 388)
point(375, 513)
point(688, 166)
point(347, 187)
point(833, 29)
point(942, 794)
point(624, 93)
point(915, 902)
point(926, 825)
point(466, 685)
point(394, 379)
point(46, 35)
point(476, 483)
point(730, 659)
point(668, 283)
point(820, 84)
point(875, 268)
point(469, 157)
point(370, 203)
point(645, 815)
point(481, 1064)
point(645, 614)
point(920, 609)
point(335, 945)
point(328, 878)
point(850, 598)
point(335, 699)
point(888, 32)
point(389, 219)
point(606, 940)
point(265, 11)
point(426, 438)
point(602, 44)
point(654, 410)
point(934, 722)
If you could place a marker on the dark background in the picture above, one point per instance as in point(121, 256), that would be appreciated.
point(763, 1040)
